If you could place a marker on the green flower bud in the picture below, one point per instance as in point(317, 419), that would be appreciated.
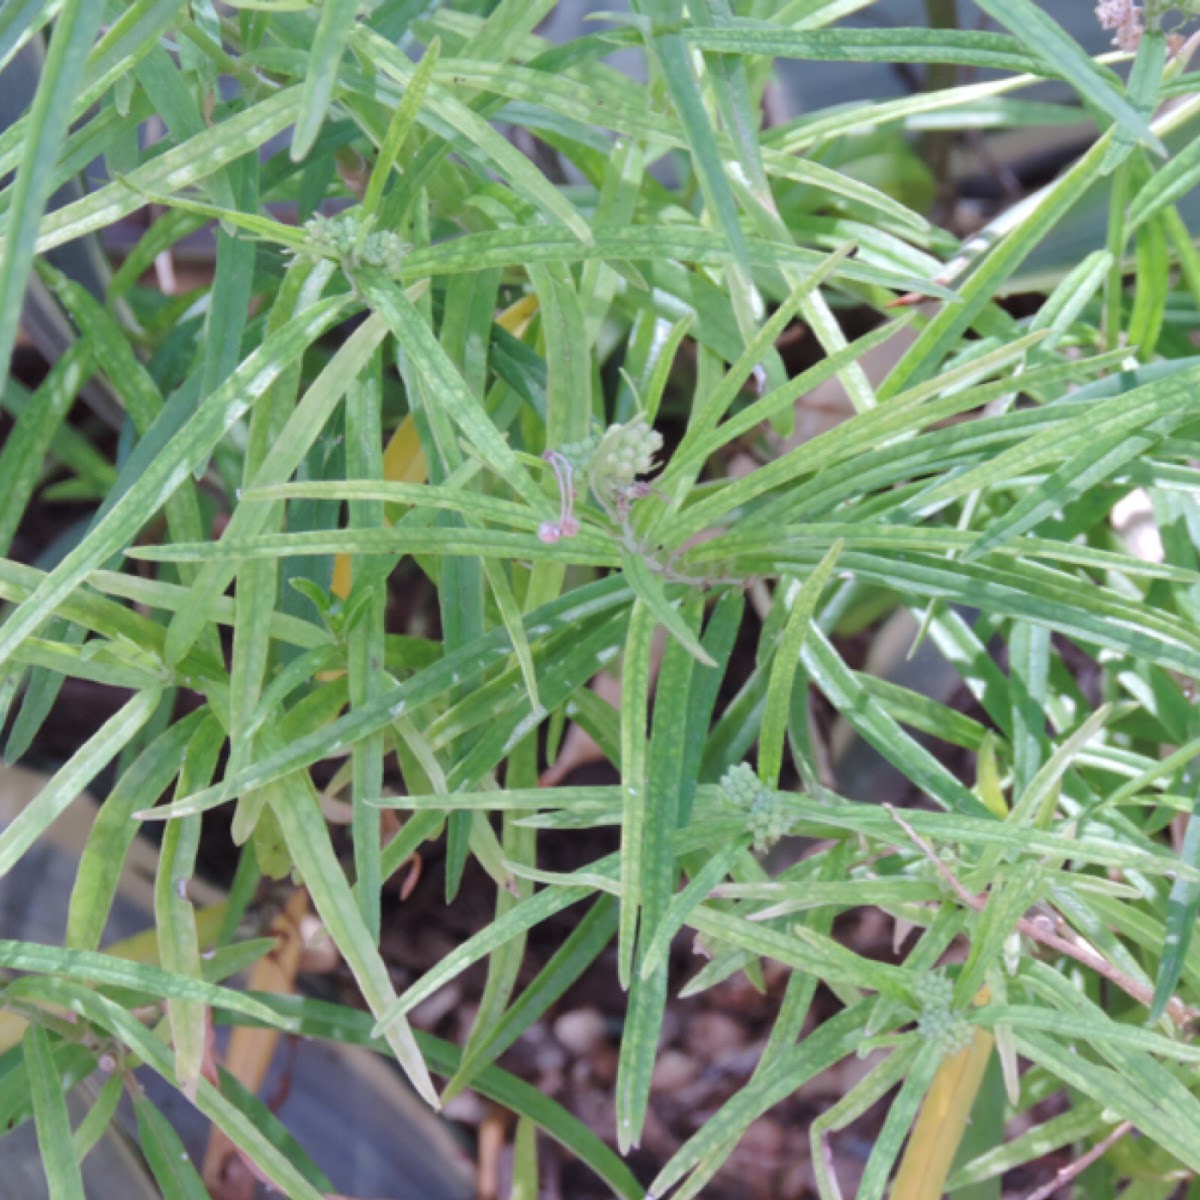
point(767, 817)
point(386, 249)
point(938, 1022)
point(624, 453)
point(934, 990)
point(946, 1029)
point(341, 237)
point(334, 237)
point(741, 786)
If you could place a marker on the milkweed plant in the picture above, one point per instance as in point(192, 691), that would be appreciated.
point(498, 374)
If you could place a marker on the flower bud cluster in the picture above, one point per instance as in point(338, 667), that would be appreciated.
point(610, 463)
point(1125, 21)
point(624, 453)
point(938, 1022)
point(766, 813)
point(341, 237)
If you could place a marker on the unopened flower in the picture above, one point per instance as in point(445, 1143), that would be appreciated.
point(937, 1021)
point(343, 237)
point(624, 453)
point(767, 817)
point(610, 463)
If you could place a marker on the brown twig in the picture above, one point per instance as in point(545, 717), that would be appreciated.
point(1036, 931)
point(1081, 1164)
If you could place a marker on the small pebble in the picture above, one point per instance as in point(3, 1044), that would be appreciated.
point(713, 1036)
point(674, 1070)
point(581, 1030)
point(466, 1108)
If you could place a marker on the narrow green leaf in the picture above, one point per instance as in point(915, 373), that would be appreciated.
point(171, 171)
point(582, 947)
point(507, 160)
point(653, 597)
point(1035, 805)
point(836, 1039)
point(582, 606)
point(901, 1114)
point(63, 1176)
point(23, 455)
point(175, 918)
point(510, 614)
point(1142, 92)
point(801, 602)
point(325, 57)
point(308, 842)
point(173, 1169)
point(667, 790)
point(522, 916)
point(400, 126)
point(635, 713)
point(365, 640)
point(1162, 1114)
point(1165, 186)
point(431, 364)
point(683, 902)
point(98, 1118)
point(1182, 905)
point(318, 1019)
point(1029, 670)
point(301, 429)
point(79, 771)
point(833, 677)
point(999, 262)
point(968, 48)
point(187, 451)
point(142, 1042)
point(93, 968)
point(114, 829)
point(49, 117)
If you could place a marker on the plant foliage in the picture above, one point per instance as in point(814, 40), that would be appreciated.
point(487, 312)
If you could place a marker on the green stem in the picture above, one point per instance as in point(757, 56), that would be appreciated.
point(936, 146)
